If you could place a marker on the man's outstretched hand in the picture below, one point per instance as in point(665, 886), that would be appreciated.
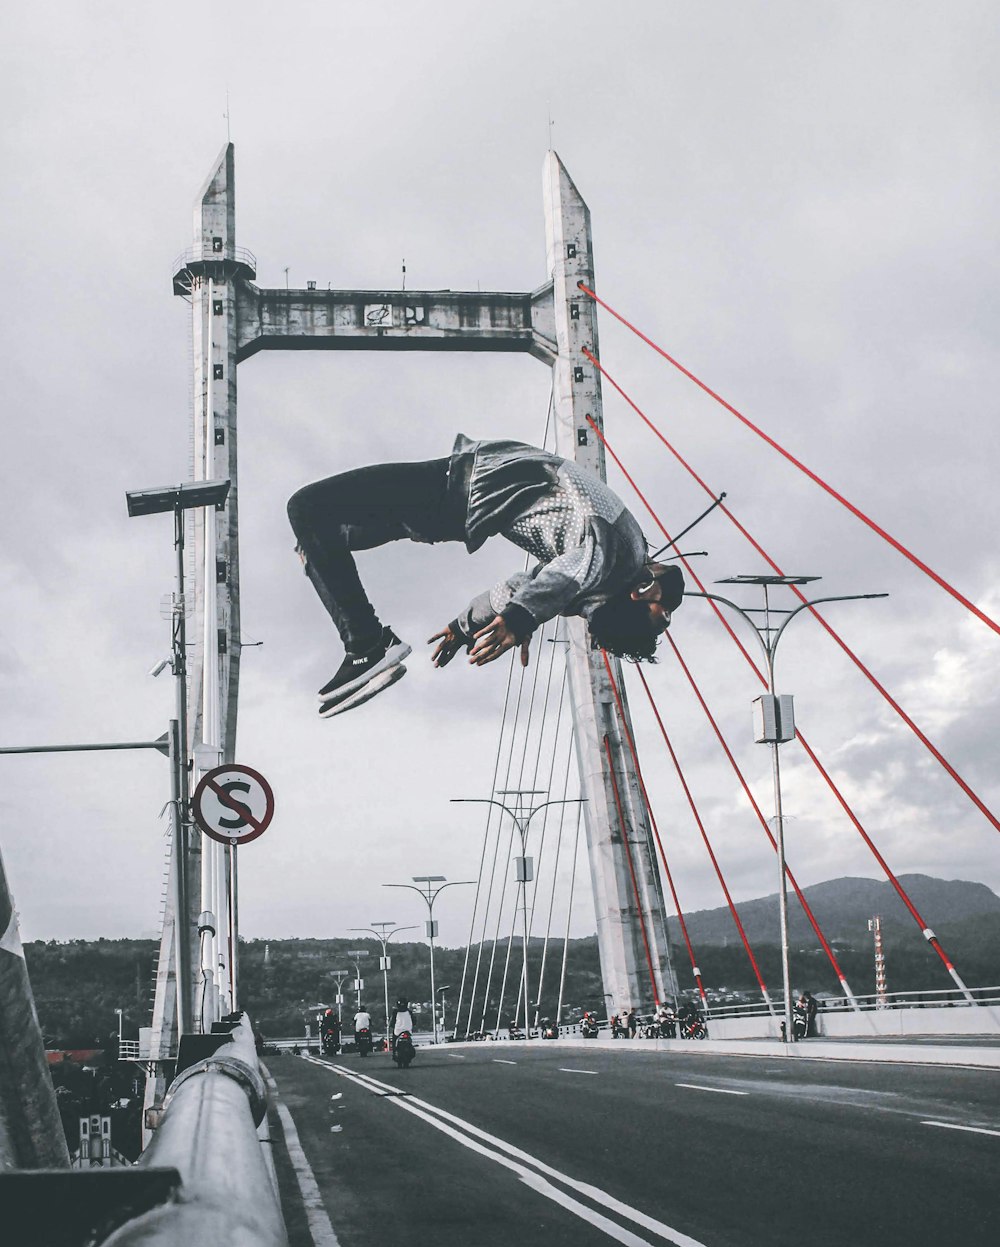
point(450, 644)
point(493, 640)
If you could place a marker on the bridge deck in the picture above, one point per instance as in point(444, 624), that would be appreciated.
point(725, 1150)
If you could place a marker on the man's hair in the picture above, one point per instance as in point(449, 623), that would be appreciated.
point(623, 626)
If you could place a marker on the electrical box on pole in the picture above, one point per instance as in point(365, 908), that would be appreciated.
point(385, 963)
point(525, 869)
point(773, 719)
point(431, 929)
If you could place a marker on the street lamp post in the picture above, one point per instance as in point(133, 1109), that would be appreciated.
point(339, 977)
point(384, 939)
point(775, 725)
point(178, 499)
point(430, 893)
point(441, 992)
point(522, 864)
point(357, 954)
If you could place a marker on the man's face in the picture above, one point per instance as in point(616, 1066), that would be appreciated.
point(651, 592)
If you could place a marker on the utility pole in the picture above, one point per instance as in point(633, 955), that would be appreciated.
point(357, 954)
point(385, 964)
point(339, 977)
point(774, 725)
point(430, 893)
point(521, 815)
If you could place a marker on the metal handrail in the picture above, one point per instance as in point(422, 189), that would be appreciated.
point(208, 1133)
point(923, 999)
point(203, 254)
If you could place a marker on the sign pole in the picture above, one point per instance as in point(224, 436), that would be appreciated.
point(234, 924)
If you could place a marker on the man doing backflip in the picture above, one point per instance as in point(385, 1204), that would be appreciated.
point(592, 557)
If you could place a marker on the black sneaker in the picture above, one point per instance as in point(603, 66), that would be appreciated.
point(358, 669)
point(374, 686)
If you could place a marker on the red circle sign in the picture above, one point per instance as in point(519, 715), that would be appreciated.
point(233, 804)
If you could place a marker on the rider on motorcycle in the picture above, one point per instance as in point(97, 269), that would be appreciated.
point(362, 1022)
point(667, 1021)
point(330, 1030)
point(400, 1020)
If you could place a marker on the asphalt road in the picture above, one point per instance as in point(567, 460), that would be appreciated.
point(496, 1144)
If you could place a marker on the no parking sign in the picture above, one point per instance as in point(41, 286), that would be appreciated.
point(233, 804)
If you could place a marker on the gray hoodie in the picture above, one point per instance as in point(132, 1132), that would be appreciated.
point(589, 546)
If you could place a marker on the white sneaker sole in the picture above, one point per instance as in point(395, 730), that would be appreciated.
point(393, 655)
point(372, 688)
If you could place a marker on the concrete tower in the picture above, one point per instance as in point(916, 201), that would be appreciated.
point(233, 319)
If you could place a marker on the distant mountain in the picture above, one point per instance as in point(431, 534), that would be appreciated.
point(842, 908)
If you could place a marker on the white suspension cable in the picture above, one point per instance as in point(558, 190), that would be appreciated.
point(569, 913)
point(555, 875)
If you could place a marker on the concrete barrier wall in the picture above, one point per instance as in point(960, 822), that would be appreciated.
point(871, 1023)
point(809, 1050)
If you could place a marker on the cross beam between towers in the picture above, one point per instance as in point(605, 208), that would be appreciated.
point(234, 319)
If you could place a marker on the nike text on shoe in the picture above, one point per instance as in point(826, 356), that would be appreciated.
point(358, 669)
point(366, 692)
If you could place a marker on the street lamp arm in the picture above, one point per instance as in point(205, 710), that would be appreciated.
point(485, 801)
point(569, 801)
point(508, 810)
point(411, 886)
point(850, 597)
point(717, 597)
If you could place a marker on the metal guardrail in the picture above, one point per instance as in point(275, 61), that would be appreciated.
point(936, 999)
point(208, 1134)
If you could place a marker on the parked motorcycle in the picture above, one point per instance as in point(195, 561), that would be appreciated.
point(363, 1038)
point(403, 1050)
point(330, 1043)
point(693, 1028)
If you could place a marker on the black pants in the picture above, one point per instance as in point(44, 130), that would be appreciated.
point(360, 510)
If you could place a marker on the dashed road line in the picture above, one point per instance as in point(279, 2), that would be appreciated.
point(499, 1061)
point(564, 1070)
point(455, 1056)
point(947, 1125)
point(718, 1090)
point(517, 1161)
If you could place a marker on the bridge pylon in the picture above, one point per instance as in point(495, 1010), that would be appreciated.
point(233, 319)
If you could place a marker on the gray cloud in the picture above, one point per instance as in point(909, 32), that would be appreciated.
point(798, 202)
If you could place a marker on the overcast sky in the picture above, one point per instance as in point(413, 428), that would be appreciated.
point(798, 200)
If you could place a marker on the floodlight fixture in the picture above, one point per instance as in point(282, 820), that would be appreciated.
point(177, 497)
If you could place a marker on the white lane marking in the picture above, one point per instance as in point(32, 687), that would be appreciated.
point(585, 1188)
point(498, 1061)
point(564, 1070)
point(719, 1090)
point(455, 1056)
point(319, 1223)
point(947, 1125)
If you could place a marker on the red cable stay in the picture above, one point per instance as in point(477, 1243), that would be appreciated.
point(631, 871)
point(715, 862)
point(807, 909)
point(873, 680)
point(859, 514)
point(926, 931)
point(656, 832)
